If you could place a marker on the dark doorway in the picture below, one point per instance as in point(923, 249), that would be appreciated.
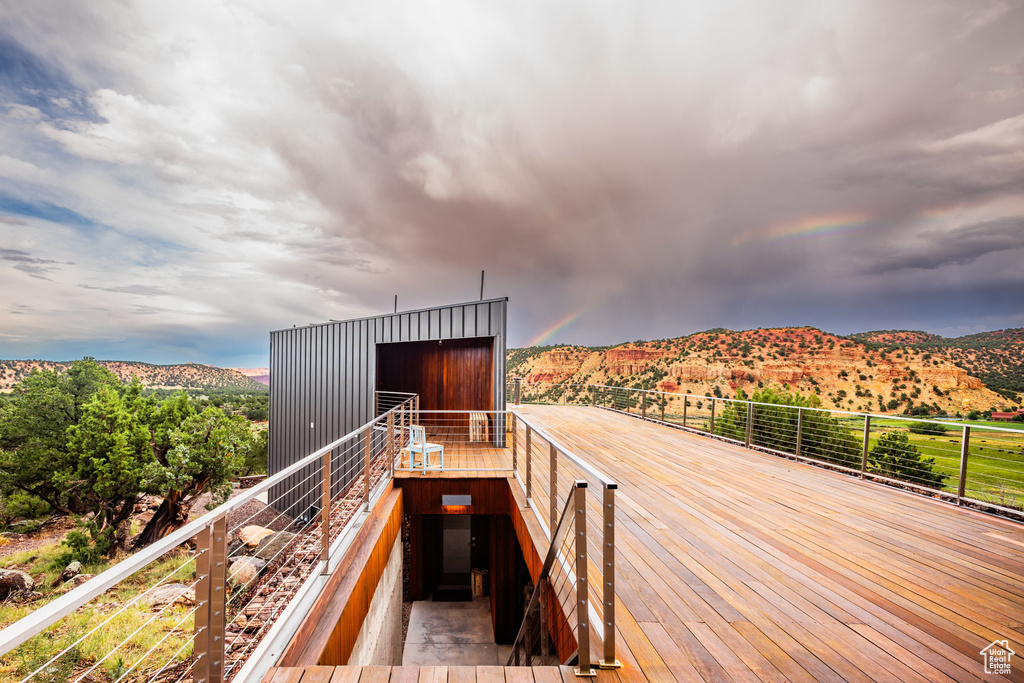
point(451, 374)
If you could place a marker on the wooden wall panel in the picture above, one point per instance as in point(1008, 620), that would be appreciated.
point(455, 374)
point(422, 496)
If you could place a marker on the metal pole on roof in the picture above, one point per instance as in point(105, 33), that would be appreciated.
point(396, 303)
point(481, 285)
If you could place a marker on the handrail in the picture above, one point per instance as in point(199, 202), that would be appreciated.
point(579, 462)
point(852, 413)
point(39, 620)
point(982, 485)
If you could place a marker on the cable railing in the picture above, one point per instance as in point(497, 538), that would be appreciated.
point(552, 615)
point(235, 587)
point(581, 602)
point(977, 465)
point(455, 441)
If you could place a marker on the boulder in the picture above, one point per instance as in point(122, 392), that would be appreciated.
point(80, 579)
point(252, 535)
point(15, 581)
point(70, 572)
point(170, 593)
point(244, 570)
point(271, 546)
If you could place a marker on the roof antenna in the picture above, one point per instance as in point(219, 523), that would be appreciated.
point(481, 285)
point(396, 303)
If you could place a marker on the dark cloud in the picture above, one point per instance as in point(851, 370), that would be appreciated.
point(960, 247)
point(641, 172)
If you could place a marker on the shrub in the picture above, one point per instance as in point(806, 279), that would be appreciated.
point(895, 457)
point(929, 428)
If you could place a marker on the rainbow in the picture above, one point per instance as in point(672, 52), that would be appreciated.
point(569, 319)
point(812, 226)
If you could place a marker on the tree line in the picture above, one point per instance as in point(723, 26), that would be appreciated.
point(82, 443)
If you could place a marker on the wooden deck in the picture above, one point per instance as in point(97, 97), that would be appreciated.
point(734, 565)
point(462, 458)
point(426, 674)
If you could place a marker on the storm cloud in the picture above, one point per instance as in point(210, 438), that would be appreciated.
point(215, 170)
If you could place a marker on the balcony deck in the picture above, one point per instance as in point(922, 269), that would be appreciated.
point(736, 565)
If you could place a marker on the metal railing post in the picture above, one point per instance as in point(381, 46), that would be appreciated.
point(325, 511)
point(392, 447)
point(799, 430)
point(964, 451)
point(201, 637)
point(711, 424)
point(582, 589)
point(544, 617)
point(529, 466)
point(643, 406)
point(686, 402)
point(515, 447)
point(368, 436)
point(553, 487)
point(750, 425)
point(864, 453)
point(608, 576)
point(211, 568)
point(664, 402)
point(516, 385)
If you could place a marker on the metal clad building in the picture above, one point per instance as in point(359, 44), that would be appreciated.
point(323, 378)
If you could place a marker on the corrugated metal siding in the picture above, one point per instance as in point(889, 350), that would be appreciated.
point(322, 380)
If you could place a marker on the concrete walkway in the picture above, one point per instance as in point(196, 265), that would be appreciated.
point(452, 634)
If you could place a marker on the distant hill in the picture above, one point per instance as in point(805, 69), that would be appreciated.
point(883, 371)
point(261, 375)
point(188, 376)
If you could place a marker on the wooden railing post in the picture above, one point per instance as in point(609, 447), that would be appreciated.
point(608, 576)
point(964, 451)
point(325, 511)
point(864, 452)
point(211, 569)
point(582, 587)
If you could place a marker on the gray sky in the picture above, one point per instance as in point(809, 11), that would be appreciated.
point(177, 179)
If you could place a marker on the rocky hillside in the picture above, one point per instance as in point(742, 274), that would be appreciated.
point(890, 372)
point(193, 376)
point(996, 357)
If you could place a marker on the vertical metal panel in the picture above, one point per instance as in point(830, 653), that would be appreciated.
point(326, 375)
point(434, 324)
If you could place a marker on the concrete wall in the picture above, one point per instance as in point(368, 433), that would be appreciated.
point(380, 638)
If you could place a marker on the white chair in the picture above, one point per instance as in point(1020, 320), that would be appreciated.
point(418, 444)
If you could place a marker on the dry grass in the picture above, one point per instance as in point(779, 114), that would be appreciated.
point(134, 642)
